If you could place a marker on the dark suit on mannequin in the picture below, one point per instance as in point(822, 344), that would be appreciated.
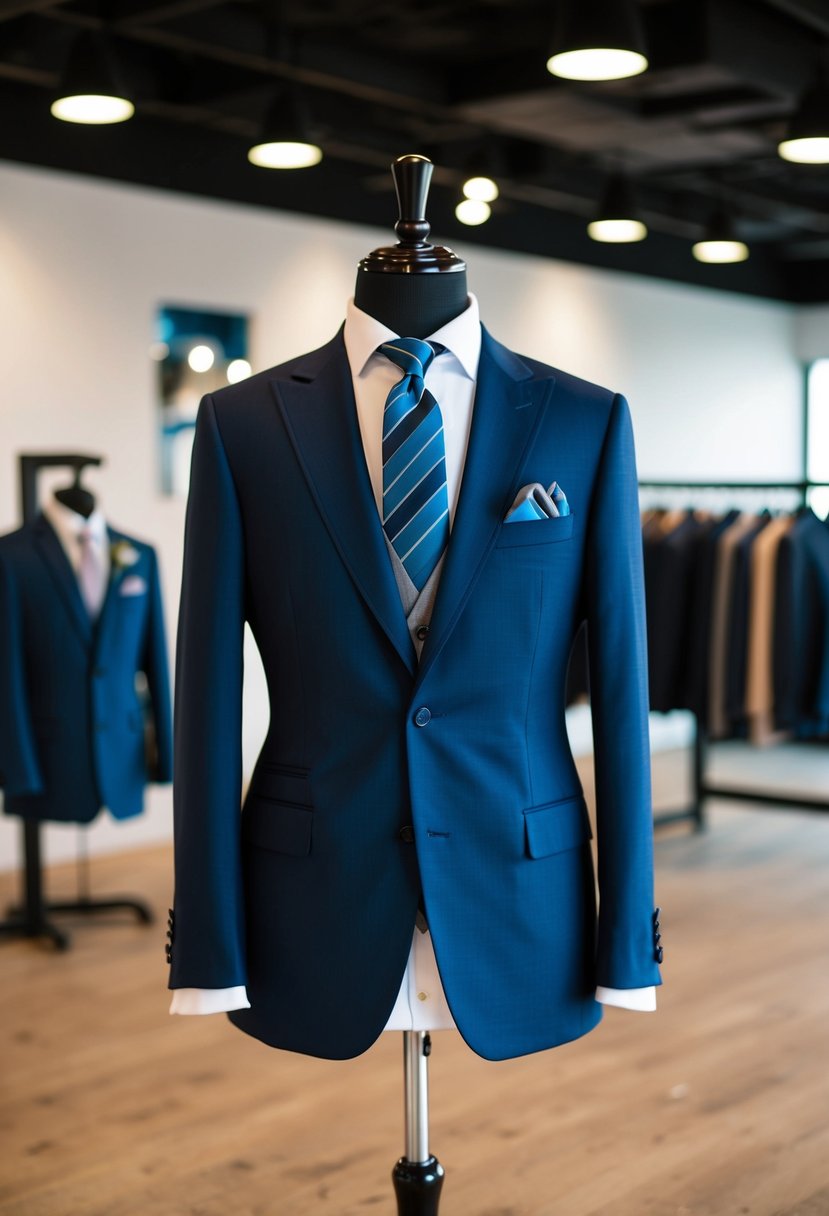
point(310, 900)
point(73, 734)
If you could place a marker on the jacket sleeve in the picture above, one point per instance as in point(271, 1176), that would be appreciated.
point(19, 767)
point(207, 925)
point(155, 668)
point(618, 659)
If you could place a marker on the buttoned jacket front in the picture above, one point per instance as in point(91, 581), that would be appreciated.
point(309, 898)
point(75, 735)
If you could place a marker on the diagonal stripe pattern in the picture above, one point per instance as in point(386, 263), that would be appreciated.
point(415, 498)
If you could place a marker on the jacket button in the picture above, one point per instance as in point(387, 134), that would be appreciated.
point(422, 716)
point(421, 631)
point(659, 954)
point(406, 832)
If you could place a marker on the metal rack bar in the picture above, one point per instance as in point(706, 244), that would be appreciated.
point(702, 790)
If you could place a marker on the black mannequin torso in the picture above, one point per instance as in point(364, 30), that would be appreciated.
point(412, 305)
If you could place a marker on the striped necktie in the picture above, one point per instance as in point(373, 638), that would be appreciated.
point(415, 498)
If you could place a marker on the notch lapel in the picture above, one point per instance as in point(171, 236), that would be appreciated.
point(116, 575)
point(320, 415)
point(506, 414)
point(63, 576)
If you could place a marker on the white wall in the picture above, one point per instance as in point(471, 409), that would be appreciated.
point(713, 380)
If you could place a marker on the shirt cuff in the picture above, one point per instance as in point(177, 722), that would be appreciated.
point(208, 1000)
point(641, 999)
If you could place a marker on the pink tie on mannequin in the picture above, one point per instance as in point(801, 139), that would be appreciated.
point(90, 574)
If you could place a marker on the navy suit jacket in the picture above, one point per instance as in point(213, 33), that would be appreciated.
point(72, 725)
point(309, 899)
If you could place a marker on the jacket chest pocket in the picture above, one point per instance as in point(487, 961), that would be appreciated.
point(535, 532)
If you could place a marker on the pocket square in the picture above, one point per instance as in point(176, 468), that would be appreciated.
point(534, 502)
point(134, 584)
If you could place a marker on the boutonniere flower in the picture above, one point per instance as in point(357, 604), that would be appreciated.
point(122, 554)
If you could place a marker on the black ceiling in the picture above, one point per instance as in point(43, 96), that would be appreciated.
point(448, 78)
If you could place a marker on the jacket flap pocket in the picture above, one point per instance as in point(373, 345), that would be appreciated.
point(535, 531)
point(283, 783)
point(557, 826)
point(277, 826)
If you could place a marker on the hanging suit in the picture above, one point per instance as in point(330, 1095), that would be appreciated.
point(381, 779)
point(73, 731)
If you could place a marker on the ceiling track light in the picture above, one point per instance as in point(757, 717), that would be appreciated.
point(286, 140)
point(597, 40)
point(617, 221)
point(720, 245)
point(91, 88)
point(806, 141)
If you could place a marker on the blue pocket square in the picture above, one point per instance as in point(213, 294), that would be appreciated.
point(534, 502)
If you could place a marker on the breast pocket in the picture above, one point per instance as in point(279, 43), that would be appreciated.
point(535, 531)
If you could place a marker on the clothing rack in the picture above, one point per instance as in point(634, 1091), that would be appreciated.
point(31, 917)
point(703, 789)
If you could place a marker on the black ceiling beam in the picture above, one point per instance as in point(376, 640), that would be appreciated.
point(811, 13)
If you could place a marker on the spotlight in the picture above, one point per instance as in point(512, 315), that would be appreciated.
point(719, 245)
point(617, 222)
point(597, 40)
point(807, 138)
point(285, 138)
point(90, 90)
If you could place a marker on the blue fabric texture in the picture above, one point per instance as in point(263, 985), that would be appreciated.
point(72, 726)
point(309, 896)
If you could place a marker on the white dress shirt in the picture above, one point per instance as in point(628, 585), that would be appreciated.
point(421, 1003)
point(68, 525)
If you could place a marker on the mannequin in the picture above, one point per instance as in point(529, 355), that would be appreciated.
point(308, 904)
point(76, 497)
point(413, 288)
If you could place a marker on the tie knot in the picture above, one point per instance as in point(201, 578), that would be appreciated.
point(412, 355)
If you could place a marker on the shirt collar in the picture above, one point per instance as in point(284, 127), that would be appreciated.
point(462, 336)
point(68, 523)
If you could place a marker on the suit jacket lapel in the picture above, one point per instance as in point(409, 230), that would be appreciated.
point(116, 575)
point(320, 414)
point(505, 418)
point(63, 576)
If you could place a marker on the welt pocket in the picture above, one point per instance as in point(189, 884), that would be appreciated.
point(281, 827)
point(554, 827)
point(282, 783)
point(535, 531)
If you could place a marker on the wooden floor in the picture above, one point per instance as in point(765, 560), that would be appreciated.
point(716, 1104)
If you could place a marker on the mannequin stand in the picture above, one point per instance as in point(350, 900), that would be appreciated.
point(417, 1177)
point(30, 917)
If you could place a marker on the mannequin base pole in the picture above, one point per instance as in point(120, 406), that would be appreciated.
point(417, 1185)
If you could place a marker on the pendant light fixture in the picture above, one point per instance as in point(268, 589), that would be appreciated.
point(617, 221)
point(481, 171)
point(597, 40)
point(91, 89)
point(473, 211)
point(286, 140)
point(807, 139)
point(720, 245)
